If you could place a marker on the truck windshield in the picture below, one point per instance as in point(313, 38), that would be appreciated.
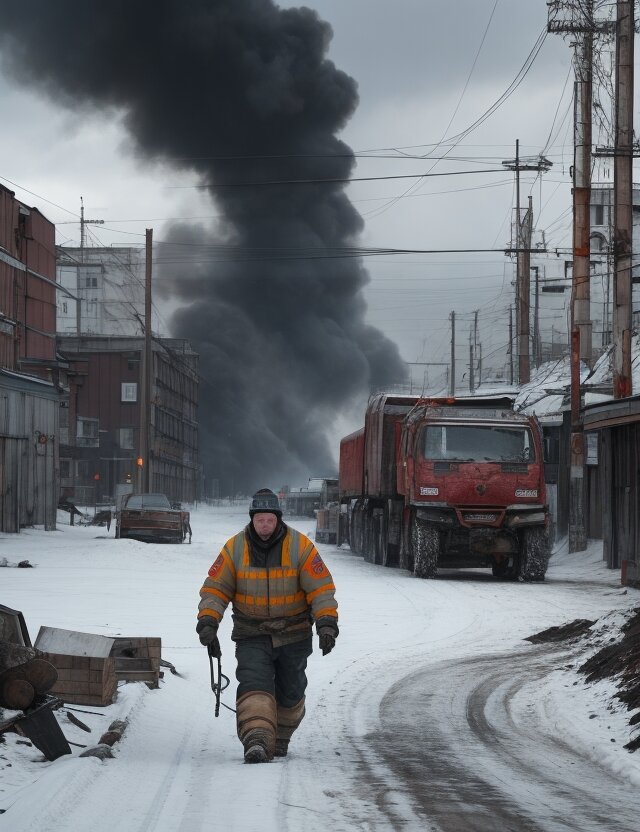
point(477, 443)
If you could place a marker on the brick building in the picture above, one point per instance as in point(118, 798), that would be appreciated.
point(100, 430)
point(31, 373)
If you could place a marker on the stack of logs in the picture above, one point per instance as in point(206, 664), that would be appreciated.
point(24, 675)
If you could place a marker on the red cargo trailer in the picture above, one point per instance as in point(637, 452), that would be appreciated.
point(368, 483)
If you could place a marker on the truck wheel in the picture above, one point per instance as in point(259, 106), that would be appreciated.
point(368, 552)
point(355, 531)
point(405, 557)
point(426, 549)
point(383, 541)
point(535, 554)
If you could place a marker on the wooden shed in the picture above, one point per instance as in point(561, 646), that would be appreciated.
point(615, 450)
point(29, 409)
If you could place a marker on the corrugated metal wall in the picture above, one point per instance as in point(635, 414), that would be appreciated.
point(28, 458)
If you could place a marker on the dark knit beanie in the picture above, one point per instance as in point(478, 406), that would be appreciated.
point(265, 502)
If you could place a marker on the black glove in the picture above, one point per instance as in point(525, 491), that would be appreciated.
point(327, 639)
point(207, 629)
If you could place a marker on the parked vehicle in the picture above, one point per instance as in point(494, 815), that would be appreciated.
point(328, 515)
point(446, 483)
point(151, 517)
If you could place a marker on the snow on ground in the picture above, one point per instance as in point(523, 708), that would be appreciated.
point(177, 769)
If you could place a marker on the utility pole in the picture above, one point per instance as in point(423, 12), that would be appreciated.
point(536, 318)
point(521, 247)
point(475, 332)
point(581, 274)
point(623, 200)
point(510, 344)
point(452, 376)
point(144, 458)
point(580, 24)
point(83, 224)
point(582, 131)
point(524, 281)
point(473, 351)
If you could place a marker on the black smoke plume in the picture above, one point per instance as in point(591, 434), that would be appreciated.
point(242, 93)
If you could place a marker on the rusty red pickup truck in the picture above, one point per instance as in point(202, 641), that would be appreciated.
point(152, 518)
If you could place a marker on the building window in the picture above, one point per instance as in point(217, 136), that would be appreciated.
point(89, 276)
point(597, 215)
point(82, 468)
point(129, 391)
point(126, 439)
point(65, 469)
point(87, 432)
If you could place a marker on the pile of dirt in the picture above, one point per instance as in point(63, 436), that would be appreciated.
point(620, 659)
point(571, 630)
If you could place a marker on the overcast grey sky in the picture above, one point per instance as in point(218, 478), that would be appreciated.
point(425, 70)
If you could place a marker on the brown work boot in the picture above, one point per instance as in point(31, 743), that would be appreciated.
point(288, 721)
point(282, 746)
point(256, 753)
point(256, 714)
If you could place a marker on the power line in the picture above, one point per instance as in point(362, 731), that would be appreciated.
point(338, 180)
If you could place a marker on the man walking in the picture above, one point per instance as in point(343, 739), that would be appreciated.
point(278, 586)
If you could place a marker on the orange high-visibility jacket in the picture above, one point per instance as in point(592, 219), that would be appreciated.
point(302, 583)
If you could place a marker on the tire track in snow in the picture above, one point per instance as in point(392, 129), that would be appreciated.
point(474, 764)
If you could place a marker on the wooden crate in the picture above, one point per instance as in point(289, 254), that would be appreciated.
point(86, 669)
point(137, 659)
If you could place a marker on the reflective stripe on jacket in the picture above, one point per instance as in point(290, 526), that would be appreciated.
point(301, 583)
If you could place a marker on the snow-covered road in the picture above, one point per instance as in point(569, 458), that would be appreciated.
point(432, 713)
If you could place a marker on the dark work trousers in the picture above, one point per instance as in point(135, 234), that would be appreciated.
point(277, 670)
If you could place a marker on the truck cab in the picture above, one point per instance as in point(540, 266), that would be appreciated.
point(473, 484)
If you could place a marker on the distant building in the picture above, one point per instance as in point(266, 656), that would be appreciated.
point(101, 335)
point(31, 373)
point(100, 433)
point(109, 284)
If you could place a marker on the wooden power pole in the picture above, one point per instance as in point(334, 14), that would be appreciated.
point(144, 457)
point(452, 376)
point(623, 200)
point(511, 345)
point(577, 20)
point(521, 247)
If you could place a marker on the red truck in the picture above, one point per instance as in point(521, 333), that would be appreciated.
point(449, 483)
